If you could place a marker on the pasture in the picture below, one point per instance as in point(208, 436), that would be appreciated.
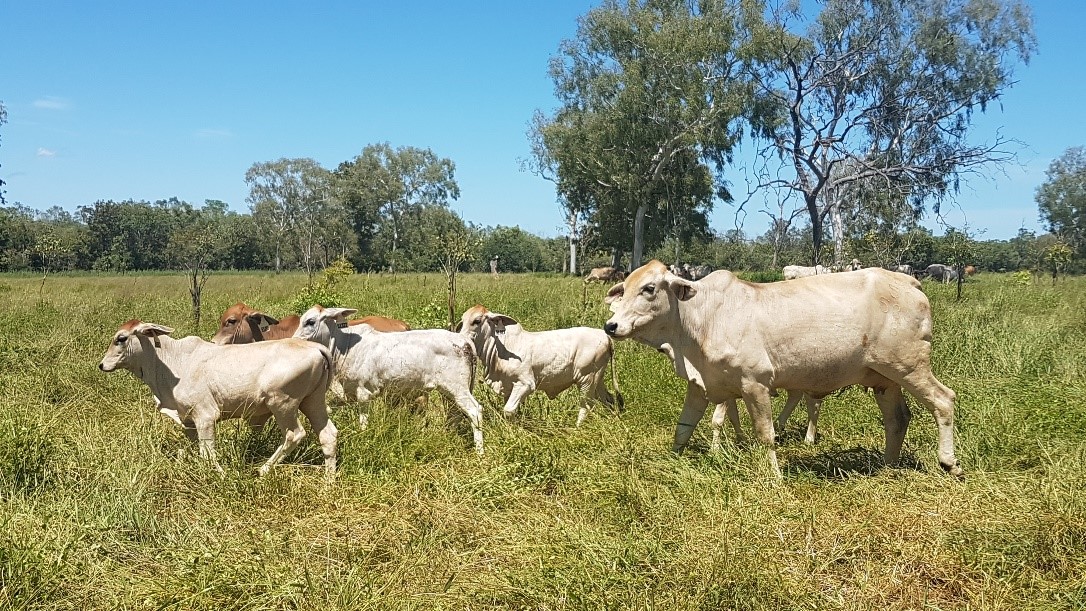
point(99, 511)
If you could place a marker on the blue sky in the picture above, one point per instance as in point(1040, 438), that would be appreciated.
point(147, 100)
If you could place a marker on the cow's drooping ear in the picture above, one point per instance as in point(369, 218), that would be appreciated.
point(459, 327)
point(262, 319)
point(683, 289)
point(502, 319)
point(615, 293)
point(151, 329)
point(339, 314)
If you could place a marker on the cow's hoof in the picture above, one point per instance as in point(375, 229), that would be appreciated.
point(955, 470)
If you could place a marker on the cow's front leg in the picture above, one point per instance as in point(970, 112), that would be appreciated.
point(760, 407)
point(512, 402)
point(693, 411)
point(205, 433)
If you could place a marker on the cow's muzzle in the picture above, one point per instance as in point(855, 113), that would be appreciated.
point(610, 328)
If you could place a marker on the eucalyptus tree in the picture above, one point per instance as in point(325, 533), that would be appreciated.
point(643, 83)
point(384, 186)
point(289, 199)
point(889, 87)
point(1061, 199)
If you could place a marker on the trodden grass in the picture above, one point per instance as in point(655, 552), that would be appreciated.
point(102, 506)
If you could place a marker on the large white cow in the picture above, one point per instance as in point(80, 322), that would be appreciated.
point(199, 383)
point(518, 362)
point(734, 339)
point(369, 363)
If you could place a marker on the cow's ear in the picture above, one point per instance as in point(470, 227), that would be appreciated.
point(262, 319)
point(459, 326)
point(502, 319)
point(339, 313)
point(615, 293)
point(151, 329)
point(683, 289)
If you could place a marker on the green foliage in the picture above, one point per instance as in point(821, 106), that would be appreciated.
point(1022, 278)
point(27, 457)
point(325, 290)
point(1062, 198)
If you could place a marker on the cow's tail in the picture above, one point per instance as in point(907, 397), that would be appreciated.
point(620, 401)
point(329, 364)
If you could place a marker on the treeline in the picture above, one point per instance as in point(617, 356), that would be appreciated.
point(116, 237)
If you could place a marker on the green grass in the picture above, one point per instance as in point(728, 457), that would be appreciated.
point(103, 505)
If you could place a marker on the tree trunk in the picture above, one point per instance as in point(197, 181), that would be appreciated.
point(452, 297)
point(639, 236)
point(573, 256)
point(838, 233)
point(816, 226)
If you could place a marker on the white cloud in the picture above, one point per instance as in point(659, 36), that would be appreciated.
point(44, 152)
point(52, 102)
point(209, 134)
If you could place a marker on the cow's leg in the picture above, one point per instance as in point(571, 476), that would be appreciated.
point(293, 434)
point(760, 407)
point(727, 409)
point(471, 408)
point(516, 394)
point(693, 411)
point(316, 411)
point(939, 400)
point(789, 406)
point(814, 406)
point(895, 420)
point(205, 433)
point(257, 421)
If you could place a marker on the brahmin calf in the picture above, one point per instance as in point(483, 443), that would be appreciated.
point(202, 383)
point(517, 362)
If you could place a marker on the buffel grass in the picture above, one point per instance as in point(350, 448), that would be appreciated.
point(104, 506)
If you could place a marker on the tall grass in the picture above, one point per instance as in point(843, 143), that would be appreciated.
point(104, 506)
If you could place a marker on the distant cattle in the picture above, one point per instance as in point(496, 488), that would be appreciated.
point(691, 272)
point(791, 272)
point(941, 273)
point(901, 269)
point(605, 274)
point(970, 270)
point(731, 339)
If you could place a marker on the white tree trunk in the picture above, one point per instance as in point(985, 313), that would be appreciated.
point(639, 236)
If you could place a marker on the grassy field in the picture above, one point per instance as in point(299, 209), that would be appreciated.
point(98, 511)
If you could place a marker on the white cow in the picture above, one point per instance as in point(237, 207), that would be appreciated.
point(791, 272)
point(199, 383)
point(518, 362)
point(369, 363)
point(734, 339)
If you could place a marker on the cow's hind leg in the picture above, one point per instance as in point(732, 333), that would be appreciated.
point(728, 410)
point(814, 406)
point(293, 434)
point(760, 408)
point(316, 411)
point(939, 400)
point(789, 406)
point(895, 421)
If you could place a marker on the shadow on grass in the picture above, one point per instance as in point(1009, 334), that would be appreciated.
point(845, 463)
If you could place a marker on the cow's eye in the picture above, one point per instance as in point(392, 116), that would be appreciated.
point(649, 289)
point(231, 321)
point(477, 322)
point(122, 339)
point(310, 322)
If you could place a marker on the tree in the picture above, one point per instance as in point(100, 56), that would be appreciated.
point(881, 90)
point(383, 186)
point(281, 194)
point(3, 120)
point(195, 244)
point(516, 249)
point(650, 90)
point(1062, 199)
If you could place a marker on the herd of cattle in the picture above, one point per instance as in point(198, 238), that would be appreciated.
point(728, 338)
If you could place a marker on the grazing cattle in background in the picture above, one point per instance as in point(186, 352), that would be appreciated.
point(681, 270)
point(970, 270)
point(369, 363)
point(202, 383)
point(517, 362)
point(851, 266)
point(697, 272)
point(901, 269)
point(791, 272)
point(941, 273)
point(605, 274)
point(241, 324)
point(730, 339)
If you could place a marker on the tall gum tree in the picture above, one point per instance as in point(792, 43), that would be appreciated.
point(643, 83)
point(883, 92)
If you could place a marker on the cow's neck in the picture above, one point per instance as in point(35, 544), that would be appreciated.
point(681, 339)
point(498, 348)
point(161, 359)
